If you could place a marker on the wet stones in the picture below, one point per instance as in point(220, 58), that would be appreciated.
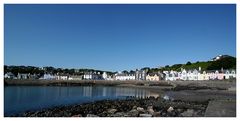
point(135, 107)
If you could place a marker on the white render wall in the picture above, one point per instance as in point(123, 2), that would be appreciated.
point(132, 77)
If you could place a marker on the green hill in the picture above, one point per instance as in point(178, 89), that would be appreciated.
point(228, 62)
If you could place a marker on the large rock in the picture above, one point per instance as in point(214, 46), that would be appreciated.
point(188, 113)
point(145, 115)
point(150, 111)
point(166, 97)
point(118, 114)
point(112, 111)
point(156, 114)
point(134, 107)
point(140, 109)
point(170, 109)
point(221, 108)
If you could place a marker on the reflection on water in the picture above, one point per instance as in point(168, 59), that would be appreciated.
point(23, 98)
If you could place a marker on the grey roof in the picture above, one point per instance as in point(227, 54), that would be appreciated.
point(152, 74)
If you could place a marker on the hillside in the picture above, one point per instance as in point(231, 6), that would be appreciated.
point(225, 63)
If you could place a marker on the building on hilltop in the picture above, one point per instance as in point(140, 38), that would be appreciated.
point(219, 57)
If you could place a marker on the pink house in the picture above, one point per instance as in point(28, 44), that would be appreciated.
point(219, 75)
point(211, 75)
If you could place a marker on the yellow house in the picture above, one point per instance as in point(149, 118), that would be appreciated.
point(152, 77)
point(203, 76)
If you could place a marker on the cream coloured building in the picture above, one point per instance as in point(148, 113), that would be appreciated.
point(152, 77)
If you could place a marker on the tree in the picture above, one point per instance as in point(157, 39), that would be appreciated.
point(132, 71)
point(145, 68)
point(125, 72)
point(6, 69)
point(188, 63)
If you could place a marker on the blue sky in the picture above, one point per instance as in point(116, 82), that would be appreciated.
point(117, 37)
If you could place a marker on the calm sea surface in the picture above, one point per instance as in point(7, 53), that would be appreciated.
point(18, 99)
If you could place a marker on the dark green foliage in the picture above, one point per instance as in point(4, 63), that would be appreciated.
point(188, 63)
point(36, 70)
point(125, 72)
point(167, 66)
point(225, 63)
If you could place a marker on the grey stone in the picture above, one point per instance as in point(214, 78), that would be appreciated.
point(179, 110)
point(166, 97)
point(188, 113)
point(145, 115)
point(140, 109)
point(170, 109)
point(133, 113)
point(151, 111)
point(156, 114)
point(112, 111)
point(221, 108)
point(118, 114)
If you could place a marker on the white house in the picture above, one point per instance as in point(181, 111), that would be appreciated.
point(179, 76)
point(171, 76)
point(121, 76)
point(9, 75)
point(199, 75)
point(91, 76)
point(49, 77)
point(233, 74)
point(211, 75)
point(75, 77)
point(228, 74)
point(62, 77)
point(195, 74)
point(189, 75)
point(23, 76)
point(140, 75)
point(104, 75)
point(184, 74)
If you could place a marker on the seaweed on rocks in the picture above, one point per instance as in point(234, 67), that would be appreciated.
point(131, 107)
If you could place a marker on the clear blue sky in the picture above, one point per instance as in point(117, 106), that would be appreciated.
point(117, 37)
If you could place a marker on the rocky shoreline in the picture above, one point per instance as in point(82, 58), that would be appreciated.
point(130, 107)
